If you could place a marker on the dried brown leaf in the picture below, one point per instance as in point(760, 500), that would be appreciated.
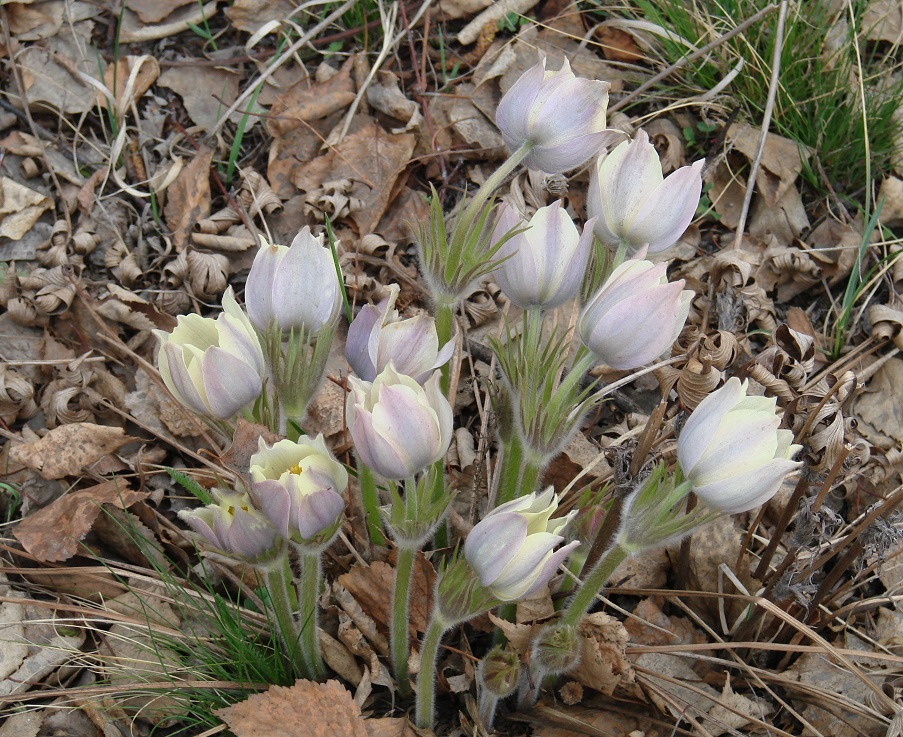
point(372, 160)
point(153, 11)
point(305, 101)
point(391, 727)
point(205, 110)
point(245, 443)
point(20, 208)
point(306, 709)
point(603, 663)
point(251, 15)
point(52, 534)
point(188, 199)
point(372, 587)
point(68, 450)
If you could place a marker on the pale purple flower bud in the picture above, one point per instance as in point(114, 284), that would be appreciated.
point(377, 336)
point(398, 427)
point(560, 115)
point(512, 549)
point(546, 262)
point(635, 316)
point(732, 450)
point(235, 527)
point(297, 486)
point(633, 203)
point(294, 287)
point(212, 366)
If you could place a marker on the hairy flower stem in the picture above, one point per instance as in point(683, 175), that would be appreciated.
point(445, 328)
point(472, 210)
point(309, 593)
point(592, 585)
point(509, 475)
point(371, 503)
point(426, 682)
point(400, 607)
point(279, 587)
point(487, 703)
point(530, 687)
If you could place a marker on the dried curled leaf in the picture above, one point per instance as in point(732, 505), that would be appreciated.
point(706, 356)
point(16, 396)
point(887, 322)
point(668, 141)
point(817, 419)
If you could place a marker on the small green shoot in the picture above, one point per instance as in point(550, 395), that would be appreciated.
point(855, 285)
point(205, 32)
point(338, 269)
point(12, 499)
point(190, 485)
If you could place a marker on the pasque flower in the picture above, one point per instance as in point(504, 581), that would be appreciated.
point(546, 262)
point(377, 335)
point(398, 427)
point(635, 316)
point(212, 366)
point(293, 287)
point(512, 549)
point(297, 486)
point(732, 450)
point(560, 116)
point(634, 204)
point(234, 526)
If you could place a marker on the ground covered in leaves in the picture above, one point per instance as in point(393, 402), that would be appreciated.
point(144, 148)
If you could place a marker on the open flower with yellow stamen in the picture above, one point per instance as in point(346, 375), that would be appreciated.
point(297, 486)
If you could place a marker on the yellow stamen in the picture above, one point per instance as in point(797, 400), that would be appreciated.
point(295, 469)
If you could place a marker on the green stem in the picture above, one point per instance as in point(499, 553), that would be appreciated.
point(400, 602)
point(530, 474)
point(279, 588)
point(445, 327)
point(620, 256)
point(426, 683)
point(371, 503)
point(592, 585)
point(508, 612)
point(308, 595)
point(509, 474)
point(490, 185)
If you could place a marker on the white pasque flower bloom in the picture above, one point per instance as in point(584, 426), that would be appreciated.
point(297, 486)
point(398, 427)
point(234, 526)
point(377, 336)
point(635, 316)
point(512, 549)
point(294, 287)
point(212, 366)
point(546, 262)
point(732, 450)
point(632, 201)
point(560, 115)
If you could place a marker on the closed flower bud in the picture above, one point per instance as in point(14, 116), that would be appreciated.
point(556, 648)
point(561, 116)
point(297, 486)
point(499, 671)
point(634, 204)
point(294, 287)
point(545, 263)
point(732, 450)
point(635, 316)
point(212, 366)
point(235, 527)
point(512, 549)
point(377, 335)
point(398, 427)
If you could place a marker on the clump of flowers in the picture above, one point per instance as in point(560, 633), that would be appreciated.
point(577, 302)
